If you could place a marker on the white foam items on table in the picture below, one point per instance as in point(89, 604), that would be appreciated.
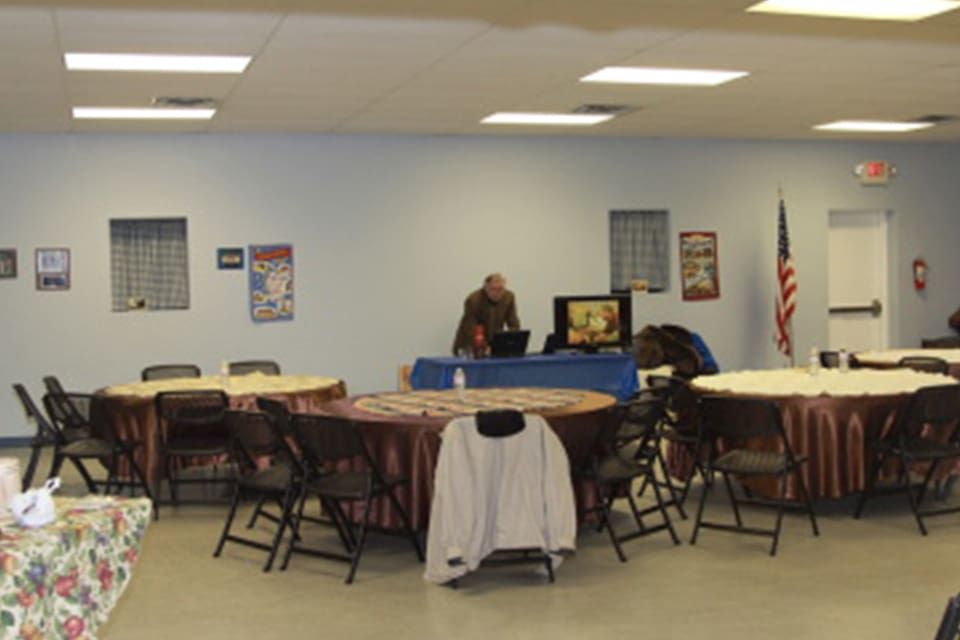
point(829, 382)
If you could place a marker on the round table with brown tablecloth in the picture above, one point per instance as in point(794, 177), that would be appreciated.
point(130, 407)
point(827, 417)
point(402, 431)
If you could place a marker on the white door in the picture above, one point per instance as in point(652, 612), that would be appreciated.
point(857, 280)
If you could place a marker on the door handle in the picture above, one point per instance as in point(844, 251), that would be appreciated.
point(875, 308)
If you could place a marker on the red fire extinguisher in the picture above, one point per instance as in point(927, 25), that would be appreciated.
point(919, 274)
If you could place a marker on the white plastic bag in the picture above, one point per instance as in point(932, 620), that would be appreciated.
point(34, 507)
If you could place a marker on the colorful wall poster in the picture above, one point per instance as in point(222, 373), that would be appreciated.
point(271, 282)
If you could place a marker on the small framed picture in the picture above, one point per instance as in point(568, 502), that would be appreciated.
point(8, 263)
point(230, 258)
point(53, 269)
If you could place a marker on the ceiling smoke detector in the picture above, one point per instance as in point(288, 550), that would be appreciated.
point(183, 102)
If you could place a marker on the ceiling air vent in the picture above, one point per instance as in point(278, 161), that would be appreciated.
point(604, 109)
point(934, 118)
point(182, 102)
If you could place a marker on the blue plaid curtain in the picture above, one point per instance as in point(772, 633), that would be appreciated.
point(638, 249)
point(148, 260)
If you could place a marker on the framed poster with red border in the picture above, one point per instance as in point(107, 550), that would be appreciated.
point(699, 279)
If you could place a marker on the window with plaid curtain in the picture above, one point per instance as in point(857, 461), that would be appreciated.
point(638, 249)
point(148, 264)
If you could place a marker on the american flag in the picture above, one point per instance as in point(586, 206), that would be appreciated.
point(786, 287)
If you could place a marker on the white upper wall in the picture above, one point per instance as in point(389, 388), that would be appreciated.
point(390, 233)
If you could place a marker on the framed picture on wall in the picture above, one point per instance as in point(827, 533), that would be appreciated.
point(8, 263)
point(53, 269)
point(230, 258)
point(699, 278)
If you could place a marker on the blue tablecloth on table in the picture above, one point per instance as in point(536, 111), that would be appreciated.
point(611, 373)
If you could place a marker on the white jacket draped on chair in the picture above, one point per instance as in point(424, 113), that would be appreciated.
point(495, 493)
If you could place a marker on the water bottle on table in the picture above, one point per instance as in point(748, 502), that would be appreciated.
point(460, 383)
point(844, 358)
point(813, 368)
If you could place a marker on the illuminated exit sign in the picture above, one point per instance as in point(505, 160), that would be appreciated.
point(874, 172)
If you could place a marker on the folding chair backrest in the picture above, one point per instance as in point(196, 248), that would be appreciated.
point(46, 432)
point(278, 411)
point(728, 417)
point(327, 439)
point(255, 436)
point(52, 383)
point(198, 412)
point(933, 406)
point(71, 411)
point(167, 371)
point(680, 401)
point(500, 424)
point(646, 412)
point(924, 363)
point(268, 367)
point(606, 439)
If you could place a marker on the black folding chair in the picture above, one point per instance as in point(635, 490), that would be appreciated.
point(927, 432)
point(242, 368)
point(86, 435)
point(255, 438)
point(738, 421)
point(330, 444)
point(680, 426)
point(167, 371)
point(498, 448)
point(925, 363)
point(949, 628)
point(45, 435)
point(191, 426)
point(612, 467)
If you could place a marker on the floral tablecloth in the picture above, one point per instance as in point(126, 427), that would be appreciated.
point(61, 580)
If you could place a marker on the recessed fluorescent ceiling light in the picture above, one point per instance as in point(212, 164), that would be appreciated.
point(149, 62)
point(873, 125)
point(568, 119)
point(124, 113)
point(657, 75)
point(906, 10)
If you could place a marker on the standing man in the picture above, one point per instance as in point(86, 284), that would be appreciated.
point(491, 307)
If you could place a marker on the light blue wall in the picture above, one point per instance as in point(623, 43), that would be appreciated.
point(391, 232)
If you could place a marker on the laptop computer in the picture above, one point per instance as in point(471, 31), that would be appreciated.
point(509, 344)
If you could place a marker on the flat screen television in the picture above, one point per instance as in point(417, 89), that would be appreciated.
point(592, 322)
